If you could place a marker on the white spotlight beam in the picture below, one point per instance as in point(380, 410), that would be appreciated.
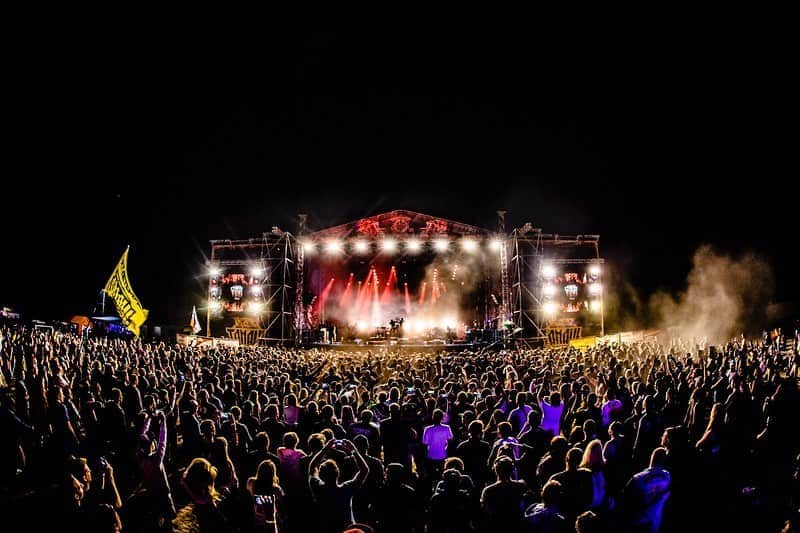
point(469, 245)
point(361, 246)
point(389, 245)
point(441, 245)
point(333, 246)
point(413, 245)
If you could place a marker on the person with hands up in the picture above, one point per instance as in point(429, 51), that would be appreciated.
point(334, 498)
point(153, 484)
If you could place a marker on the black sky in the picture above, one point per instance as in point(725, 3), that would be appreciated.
point(657, 144)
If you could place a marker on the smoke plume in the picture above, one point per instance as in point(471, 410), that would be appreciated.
point(725, 296)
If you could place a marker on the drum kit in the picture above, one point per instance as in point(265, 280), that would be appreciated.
point(390, 331)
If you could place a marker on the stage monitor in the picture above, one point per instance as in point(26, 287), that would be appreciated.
point(237, 292)
point(571, 291)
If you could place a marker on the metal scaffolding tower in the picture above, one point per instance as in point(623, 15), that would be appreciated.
point(299, 310)
point(279, 257)
point(275, 253)
point(526, 264)
point(505, 290)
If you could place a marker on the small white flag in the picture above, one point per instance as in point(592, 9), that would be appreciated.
point(194, 323)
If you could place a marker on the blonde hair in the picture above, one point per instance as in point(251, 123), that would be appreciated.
point(593, 456)
point(199, 479)
point(716, 417)
point(266, 470)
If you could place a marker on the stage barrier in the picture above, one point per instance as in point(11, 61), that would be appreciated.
point(206, 342)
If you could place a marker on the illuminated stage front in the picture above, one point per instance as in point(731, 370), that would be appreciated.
point(401, 276)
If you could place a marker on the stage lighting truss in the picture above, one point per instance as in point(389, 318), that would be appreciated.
point(390, 245)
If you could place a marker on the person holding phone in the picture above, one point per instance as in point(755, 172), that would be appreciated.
point(267, 498)
point(153, 475)
point(335, 499)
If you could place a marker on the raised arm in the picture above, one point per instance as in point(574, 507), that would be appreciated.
point(313, 465)
point(666, 365)
point(145, 427)
point(363, 467)
point(161, 449)
point(173, 399)
point(110, 484)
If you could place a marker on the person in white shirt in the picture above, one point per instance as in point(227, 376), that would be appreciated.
point(435, 438)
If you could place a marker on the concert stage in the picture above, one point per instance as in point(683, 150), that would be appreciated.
point(405, 275)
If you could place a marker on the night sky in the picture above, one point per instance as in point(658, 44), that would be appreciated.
point(657, 144)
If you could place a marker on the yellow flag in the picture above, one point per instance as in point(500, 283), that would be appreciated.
point(128, 306)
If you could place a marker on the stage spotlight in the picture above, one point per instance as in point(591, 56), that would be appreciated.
point(309, 247)
point(495, 244)
point(469, 245)
point(550, 308)
point(257, 272)
point(413, 245)
point(596, 306)
point(594, 270)
point(333, 246)
point(389, 245)
point(361, 247)
point(256, 290)
point(214, 271)
point(361, 326)
point(441, 245)
point(214, 305)
point(549, 290)
point(255, 308)
point(595, 288)
point(450, 322)
point(548, 271)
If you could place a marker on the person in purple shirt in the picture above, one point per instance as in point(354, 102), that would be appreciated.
point(552, 411)
point(436, 437)
point(519, 415)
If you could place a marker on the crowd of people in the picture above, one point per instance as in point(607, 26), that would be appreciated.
point(123, 435)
